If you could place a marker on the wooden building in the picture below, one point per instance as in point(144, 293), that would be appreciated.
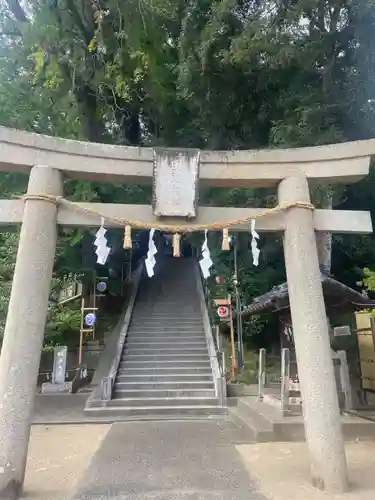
point(342, 306)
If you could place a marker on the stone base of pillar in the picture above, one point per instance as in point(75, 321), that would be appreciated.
point(51, 388)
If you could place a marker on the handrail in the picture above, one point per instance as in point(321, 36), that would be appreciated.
point(108, 383)
point(113, 352)
point(218, 375)
point(105, 360)
point(214, 328)
point(206, 292)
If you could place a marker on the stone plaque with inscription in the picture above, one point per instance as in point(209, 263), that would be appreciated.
point(59, 365)
point(175, 183)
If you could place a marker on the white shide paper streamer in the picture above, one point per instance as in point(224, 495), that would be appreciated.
point(152, 251)
point(254, 243)
point(206, 261)
point(102, 249)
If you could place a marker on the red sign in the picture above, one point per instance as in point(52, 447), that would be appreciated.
point(222, 312)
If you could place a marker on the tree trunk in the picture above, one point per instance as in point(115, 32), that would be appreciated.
point(88, 110)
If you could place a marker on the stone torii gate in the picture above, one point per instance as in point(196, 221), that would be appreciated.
point(48, 160)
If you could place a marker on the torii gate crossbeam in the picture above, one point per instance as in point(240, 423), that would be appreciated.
point(288, 170)
point(340, 163)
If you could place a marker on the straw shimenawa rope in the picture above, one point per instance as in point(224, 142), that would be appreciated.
point(170, 228)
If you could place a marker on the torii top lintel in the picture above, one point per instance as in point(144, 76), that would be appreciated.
point(337, 163)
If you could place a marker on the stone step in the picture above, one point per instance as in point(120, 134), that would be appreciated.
point(165, 357)
point(167, 304)
point(163, 294)
point(165, 291)
point(260, 431)
point(160, 331)
point(157, 412)
point(150, 340)
point(172, 312)
point(166, 323)
point(177, 310)
point(171, 341)
point(164, 347)
point(162, 394)
point(160, 363)
point(163, 283)
point(150, 317)
point(153, 341)
point(167, 347)
point(181, 342)
point(268, 425)
point(167, 350)
point(185, 361)
point(184, 338)
point(188, 291)
point(165, 370)
point(179, 384)
point(166, 314)
point(159, 309)
point(149, 378)
point(164, 287)
point(160, 296)
point(168, 334)
point(173, 401)
point(253, 409)
point(167, 294)
point(149, 370)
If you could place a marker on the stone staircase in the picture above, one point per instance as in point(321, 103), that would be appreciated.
point(165, 369)
point(262, 422)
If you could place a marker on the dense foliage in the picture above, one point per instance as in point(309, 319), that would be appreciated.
point(200, 73)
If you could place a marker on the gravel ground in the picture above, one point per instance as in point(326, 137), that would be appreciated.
point(281, 471)
point(57, 457)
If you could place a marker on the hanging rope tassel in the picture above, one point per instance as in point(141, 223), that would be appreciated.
point(176, 245)
point(225, 244)
point(128, 237)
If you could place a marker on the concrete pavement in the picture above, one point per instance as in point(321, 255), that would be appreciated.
point(168, 461)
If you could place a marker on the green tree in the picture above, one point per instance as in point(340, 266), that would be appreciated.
point(200, 73)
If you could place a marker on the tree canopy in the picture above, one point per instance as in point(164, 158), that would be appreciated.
point(218, 74)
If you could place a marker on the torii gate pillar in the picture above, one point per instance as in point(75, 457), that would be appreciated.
point(315, 368)
point(24, 330)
